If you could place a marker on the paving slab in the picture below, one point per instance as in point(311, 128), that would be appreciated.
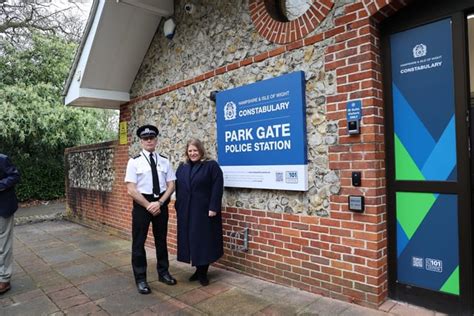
point(278, 310)
point(251, 285)
point(217, 287)
point(325, 306)
point(36, 267)
point(48, 281)
point(38, 306)
point(72, 301)
point(194, 296)
point(43, 245)
point(98, 246)
point(288, 296)
point(88, 308)
point(168, 307)
point(75, 270)
point(20, 285)
point(61, 254)
point(106, 286)
point(64, 294)
point(190, 311)
point(59, 286)
point(407, 310)
point(27, 296)
point(128, 302)
point(116, 259)
point(233, 302)
point(362, 311)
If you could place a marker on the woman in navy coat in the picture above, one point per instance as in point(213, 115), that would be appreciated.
point(199, 190)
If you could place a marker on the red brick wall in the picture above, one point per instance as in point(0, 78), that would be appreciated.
point(343, 255)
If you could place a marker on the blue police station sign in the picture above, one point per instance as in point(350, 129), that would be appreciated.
point(261, 134)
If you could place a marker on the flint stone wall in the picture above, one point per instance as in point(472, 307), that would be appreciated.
point(91, 170)
point(218, 33)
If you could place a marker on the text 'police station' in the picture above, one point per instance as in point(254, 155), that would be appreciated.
point(260, 133)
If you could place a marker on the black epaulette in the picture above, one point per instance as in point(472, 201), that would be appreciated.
point(136, 156)
point(163, 156)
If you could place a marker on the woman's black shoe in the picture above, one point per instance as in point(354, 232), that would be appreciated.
point(204, 280)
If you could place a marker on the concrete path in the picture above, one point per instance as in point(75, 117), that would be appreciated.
point(62, 268)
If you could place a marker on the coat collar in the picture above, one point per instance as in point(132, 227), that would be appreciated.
point(195, 169)
point(190, 172)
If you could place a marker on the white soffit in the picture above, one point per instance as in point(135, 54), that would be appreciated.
point(158, 7)
point(115, 42)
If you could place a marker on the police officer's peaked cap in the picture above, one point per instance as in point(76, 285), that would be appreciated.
point(147, 131)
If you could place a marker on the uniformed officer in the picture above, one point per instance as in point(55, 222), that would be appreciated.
point(150, 182)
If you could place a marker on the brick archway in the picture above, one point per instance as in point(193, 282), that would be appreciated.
point(286, 32)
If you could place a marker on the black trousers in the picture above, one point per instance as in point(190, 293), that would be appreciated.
point(141, 219)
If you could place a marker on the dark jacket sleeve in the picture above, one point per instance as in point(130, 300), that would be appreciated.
point(10, 174)
point(217, 187)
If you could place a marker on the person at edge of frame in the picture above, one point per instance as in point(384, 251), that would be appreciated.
point(9, 177)
point(150, 182)
point(199, 191)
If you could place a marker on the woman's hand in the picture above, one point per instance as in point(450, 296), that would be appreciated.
point(212, 213)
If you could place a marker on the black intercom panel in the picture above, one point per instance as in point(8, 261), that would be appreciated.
point(356, 178)
point(353, 127)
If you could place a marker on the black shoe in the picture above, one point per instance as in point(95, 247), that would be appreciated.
point(204, 280)
point(167, 279)
point(143, 287)
point(194, 277)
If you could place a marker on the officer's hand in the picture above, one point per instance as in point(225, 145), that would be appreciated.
point(212, 213)
point(153, 208)
point(158, 210)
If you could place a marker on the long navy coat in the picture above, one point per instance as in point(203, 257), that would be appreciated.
point(198, 190)
point(9, 176)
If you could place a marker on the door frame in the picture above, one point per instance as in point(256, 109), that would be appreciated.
point(417, 14)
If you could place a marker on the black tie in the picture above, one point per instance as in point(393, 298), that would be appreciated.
point(154, 174)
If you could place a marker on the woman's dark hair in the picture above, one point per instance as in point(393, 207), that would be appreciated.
point(198, 144)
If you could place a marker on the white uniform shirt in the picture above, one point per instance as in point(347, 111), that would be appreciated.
point(139, 172)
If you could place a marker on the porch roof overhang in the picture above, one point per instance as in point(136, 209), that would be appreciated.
point(115, 41)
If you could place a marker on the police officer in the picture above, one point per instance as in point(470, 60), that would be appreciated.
point(150, 182)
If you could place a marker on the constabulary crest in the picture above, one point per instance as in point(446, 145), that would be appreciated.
point(419, 50)
point(230, 111)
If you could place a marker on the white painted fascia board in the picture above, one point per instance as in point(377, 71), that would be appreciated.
point(106, 95)
point(91, 26)
point(96, 104)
